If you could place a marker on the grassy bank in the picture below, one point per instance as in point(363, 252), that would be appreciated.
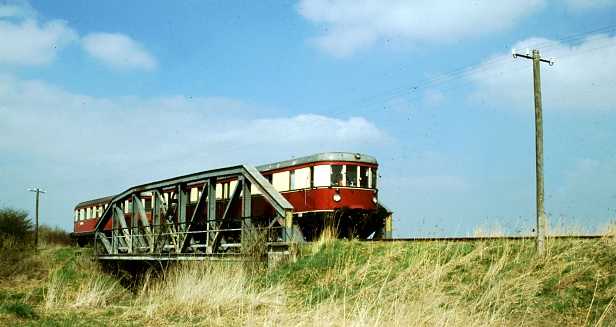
point(333, 283)
point(483, 283)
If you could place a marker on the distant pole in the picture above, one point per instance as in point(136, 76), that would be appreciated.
point(541, 218)
point(36, 231)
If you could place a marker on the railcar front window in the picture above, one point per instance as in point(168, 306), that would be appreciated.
point(364, 177)
point(336, 175)
point(351, 175)
point(322, 176)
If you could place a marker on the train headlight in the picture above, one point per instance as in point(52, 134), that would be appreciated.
point(337, 197)
point(374, 200)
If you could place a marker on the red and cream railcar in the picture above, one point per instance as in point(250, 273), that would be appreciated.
point(335, 187)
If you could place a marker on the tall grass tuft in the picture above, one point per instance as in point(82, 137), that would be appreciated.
point(328, 234)
point(212, 291)
point(97, 291)
point(80, 284)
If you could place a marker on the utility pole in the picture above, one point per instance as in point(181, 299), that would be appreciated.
point(541, 219)
point(36, 231)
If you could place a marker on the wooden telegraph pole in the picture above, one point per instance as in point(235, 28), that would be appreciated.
point(36, 231)
point(541, 218)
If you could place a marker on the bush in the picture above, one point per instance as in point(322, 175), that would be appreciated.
point(16, 233)
point(18, 260)
point(49, 236)
point(15, 225)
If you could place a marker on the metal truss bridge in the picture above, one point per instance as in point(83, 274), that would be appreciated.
point(172, 226)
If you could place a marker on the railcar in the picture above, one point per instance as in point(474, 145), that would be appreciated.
point(334, 188)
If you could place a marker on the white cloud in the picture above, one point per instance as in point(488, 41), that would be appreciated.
point(24, 41)
point(16, 9)
point(79, 147)
point(118, 51)
point(581, 79)
point(354, 25)
point(130, 130)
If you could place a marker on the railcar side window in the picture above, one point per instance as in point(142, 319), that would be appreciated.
point(147, 205)
point(255, 191)
point(300, 178)
point(292, 179)
point(231, 188)
point(281, 181)
point(224, 190)
point(194, 195)
point(219, 191)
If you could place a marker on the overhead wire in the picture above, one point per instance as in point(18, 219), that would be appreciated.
point(405, 94)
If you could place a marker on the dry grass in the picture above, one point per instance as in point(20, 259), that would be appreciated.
point(80, 283)
point(489, 283)
point(341, 283)
point(210, 293)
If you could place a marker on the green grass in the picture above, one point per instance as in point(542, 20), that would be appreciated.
point(19, 310)
point(336, 283)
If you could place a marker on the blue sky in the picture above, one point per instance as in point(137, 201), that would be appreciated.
point(97, 97)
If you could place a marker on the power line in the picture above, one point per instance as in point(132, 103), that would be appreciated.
point(312, 121)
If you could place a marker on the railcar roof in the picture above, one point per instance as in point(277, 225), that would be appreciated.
point(320, 157)
point(327, 156)
point(93, 202)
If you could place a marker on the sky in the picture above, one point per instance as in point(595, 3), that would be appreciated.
point(96, 97)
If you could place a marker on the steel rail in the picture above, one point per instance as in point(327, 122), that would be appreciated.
point(481, 238)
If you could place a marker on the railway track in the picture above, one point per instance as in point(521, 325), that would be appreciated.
point(482, 238)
